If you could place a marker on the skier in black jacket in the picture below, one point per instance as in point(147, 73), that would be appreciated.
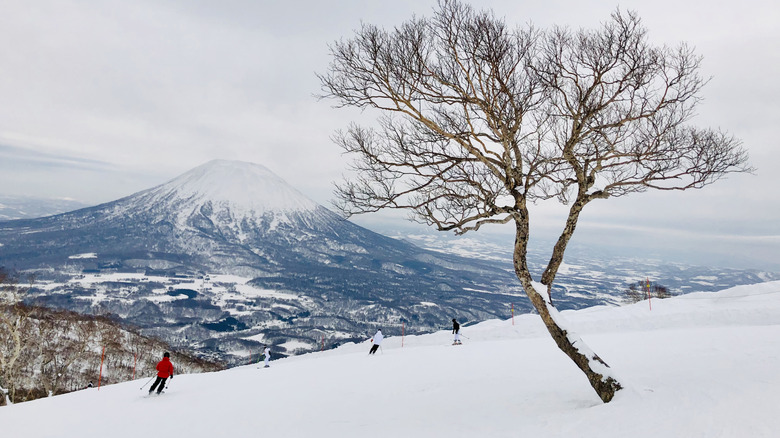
point(455, 331)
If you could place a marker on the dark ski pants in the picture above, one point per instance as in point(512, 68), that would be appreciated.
point(373, 349)
point(160, 381)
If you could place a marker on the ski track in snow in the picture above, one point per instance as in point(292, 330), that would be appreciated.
point(699, 365)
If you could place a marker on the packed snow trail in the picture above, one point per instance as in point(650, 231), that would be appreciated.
point(702, 365)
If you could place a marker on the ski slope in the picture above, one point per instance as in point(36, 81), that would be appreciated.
point(700, 365)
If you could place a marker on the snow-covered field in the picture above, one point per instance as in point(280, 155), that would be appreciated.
point(700, 365)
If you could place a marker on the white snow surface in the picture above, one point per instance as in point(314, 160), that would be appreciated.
point(699, 365)
point(88, 255)
point(245, 188)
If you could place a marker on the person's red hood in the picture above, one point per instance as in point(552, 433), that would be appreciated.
point(165, 368)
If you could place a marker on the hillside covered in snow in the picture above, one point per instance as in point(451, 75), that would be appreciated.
point(228, 257)
point(698, 365)
point(291, 272)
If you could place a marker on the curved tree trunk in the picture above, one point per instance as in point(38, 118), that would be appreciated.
point(599, 374)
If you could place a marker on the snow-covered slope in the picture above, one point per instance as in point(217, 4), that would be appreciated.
point(229, 194)
point(19, 207)
point(244, 187)
point(700, 365)
point(151, 255)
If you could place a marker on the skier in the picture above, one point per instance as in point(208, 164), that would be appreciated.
point(267, 353)
point(164, 370)
point(456, 332)
point(377, 340)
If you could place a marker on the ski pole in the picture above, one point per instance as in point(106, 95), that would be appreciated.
point(147, 382)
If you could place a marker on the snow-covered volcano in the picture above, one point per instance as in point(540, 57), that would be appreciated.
point(307, 268)
point(233, 199)
point(223, 216)
point(243, 189)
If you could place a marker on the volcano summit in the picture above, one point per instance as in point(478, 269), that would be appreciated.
point(228, 256)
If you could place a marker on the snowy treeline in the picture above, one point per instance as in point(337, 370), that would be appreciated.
point(45, 352)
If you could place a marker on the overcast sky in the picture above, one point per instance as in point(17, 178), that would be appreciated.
point(101, 99)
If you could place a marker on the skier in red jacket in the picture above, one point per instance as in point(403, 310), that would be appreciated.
point(164, 370)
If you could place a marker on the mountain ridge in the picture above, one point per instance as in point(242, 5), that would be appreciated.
point(244, 188)
point(337, 276)
point(224, 277)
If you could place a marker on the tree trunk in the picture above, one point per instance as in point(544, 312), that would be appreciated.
point(595, 369)
point(563, 241)
point(8, 364)
point(4, 400)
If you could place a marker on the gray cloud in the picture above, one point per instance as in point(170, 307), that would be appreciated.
point(12, 157)
point(99, 99)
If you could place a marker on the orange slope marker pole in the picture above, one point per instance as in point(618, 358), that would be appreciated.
point(649, 302)
point(513, 313)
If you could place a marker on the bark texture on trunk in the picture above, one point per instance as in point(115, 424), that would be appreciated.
point(595, 369)
point(4, 401)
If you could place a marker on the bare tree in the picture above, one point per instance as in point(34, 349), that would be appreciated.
point(53, 339)
point(644, 289)
point(14, 327)
point(62, 341)
point(110, 339)
point(478, 120)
